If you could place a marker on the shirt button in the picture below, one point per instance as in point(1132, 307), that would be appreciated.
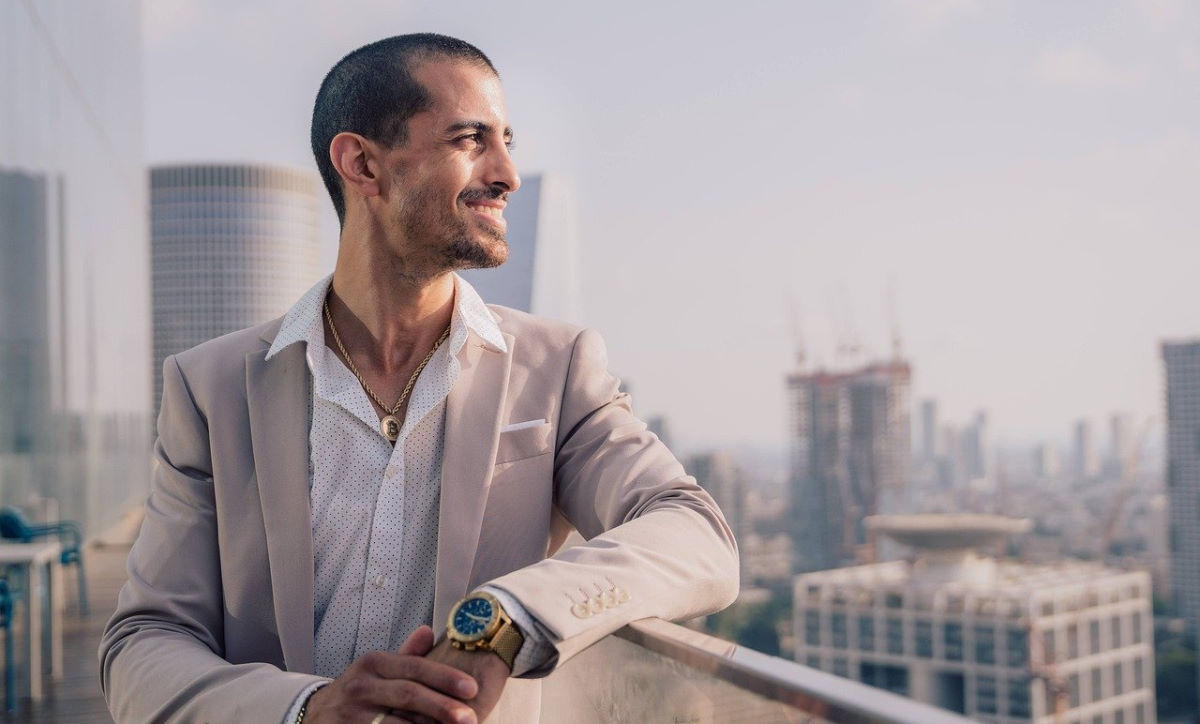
point(379, 580)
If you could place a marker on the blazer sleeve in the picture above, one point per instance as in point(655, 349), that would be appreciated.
point(656, 541)
point(161, 652)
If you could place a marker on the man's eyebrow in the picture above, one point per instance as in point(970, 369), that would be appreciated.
point(477, 126)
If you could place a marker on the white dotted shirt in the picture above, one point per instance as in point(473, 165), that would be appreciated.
point(375, 505)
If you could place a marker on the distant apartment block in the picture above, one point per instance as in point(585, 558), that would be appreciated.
point(232, 246)
point(1182, 361)
point(999, 641)
point(850, 453)
point(541, 275)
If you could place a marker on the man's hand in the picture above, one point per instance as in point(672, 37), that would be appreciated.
point(420, 688)
point(488, 669)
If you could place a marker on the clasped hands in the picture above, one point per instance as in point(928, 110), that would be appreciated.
point(420, 683)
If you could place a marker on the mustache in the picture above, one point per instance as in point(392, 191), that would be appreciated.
point(489, 194)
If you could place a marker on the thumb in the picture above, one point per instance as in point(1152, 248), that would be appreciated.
point(418, 643)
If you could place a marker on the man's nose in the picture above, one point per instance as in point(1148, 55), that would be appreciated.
point(503, 172)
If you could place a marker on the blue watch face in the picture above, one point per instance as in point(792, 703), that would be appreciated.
point(473, 616)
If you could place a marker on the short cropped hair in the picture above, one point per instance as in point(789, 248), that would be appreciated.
point(372, 92)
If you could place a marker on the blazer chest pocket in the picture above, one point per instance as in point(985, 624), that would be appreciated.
point(522, 442)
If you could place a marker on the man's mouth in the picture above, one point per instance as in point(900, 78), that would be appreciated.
point(491, 210)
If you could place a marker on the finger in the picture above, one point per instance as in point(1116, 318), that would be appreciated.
point(433, 674)
point(417, 700)
point(418, 643)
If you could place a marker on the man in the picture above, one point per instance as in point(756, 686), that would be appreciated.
point(331, 484)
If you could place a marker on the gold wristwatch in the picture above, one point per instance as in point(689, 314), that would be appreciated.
point(479, 623)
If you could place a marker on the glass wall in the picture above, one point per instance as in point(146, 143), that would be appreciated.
point(74, 261)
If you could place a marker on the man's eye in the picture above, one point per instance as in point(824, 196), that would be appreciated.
point(471, 137)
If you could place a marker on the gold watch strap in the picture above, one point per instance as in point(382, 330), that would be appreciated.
point(507, 643)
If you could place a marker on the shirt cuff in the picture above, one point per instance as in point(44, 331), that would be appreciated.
point(294, 711)
point(538, 652)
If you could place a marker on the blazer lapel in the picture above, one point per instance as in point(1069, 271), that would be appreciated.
point(277, 393)
point(472, 433)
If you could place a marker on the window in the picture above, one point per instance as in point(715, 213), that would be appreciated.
point(840, 668)
point(1097, 690)
point(1072, 641)
point(924, 639)
point(866, 633)
point(1073, 691)
point(1094, 637)
point(1119, 716)
point(837, 623)
point(1018, 698)
point(812, 628)
point(1137, 627)
point(895, 636)
point(1118, 680)
point(1116, 632)
point(985, 644)
point(1018, 647)
point(952, 641)
point(985, 694)
point(1139, 674)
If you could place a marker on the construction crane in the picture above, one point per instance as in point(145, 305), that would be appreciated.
point(794, 323)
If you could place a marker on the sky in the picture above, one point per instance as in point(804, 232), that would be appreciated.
point(1008, 188)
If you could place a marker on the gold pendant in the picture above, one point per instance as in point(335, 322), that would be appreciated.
point(390, 427)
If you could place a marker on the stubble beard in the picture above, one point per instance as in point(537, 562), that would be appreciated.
point(459, 245)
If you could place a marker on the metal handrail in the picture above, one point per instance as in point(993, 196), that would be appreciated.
point(832, 698)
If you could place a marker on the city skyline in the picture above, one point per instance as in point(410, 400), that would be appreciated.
point(1018, 179)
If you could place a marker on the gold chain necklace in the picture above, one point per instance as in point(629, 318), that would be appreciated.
point(389, 426)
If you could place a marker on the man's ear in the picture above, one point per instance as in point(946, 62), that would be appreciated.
point(356, 162)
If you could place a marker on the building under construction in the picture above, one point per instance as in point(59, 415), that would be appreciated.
point(850, 452)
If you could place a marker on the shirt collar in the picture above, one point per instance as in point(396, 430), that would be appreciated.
point(303, 322)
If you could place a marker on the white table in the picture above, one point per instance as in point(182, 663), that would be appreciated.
point(40, 578)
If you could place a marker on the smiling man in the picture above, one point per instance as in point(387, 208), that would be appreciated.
point(358, 508)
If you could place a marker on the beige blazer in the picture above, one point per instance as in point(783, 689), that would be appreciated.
point(216, 621)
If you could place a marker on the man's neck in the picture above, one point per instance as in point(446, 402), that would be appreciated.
point(387, 309)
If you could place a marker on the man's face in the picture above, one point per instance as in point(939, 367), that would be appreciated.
point(450, 182)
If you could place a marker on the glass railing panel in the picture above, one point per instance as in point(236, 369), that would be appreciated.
point(653, 671)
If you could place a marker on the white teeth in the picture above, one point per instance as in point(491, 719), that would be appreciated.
point(494, 212)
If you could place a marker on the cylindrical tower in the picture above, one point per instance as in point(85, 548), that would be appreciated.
point(232, 246)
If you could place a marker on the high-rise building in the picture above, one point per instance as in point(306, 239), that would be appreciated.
point(850, 453)
point(929, 430)
point(717, 474)
point(233, 246)
point(1087, 464)
point(541, 275)
point(1182, 361)
point(1045, 461)
point(976, 448)
point(74, 262)
point(1000, 641)
point(1122, 462)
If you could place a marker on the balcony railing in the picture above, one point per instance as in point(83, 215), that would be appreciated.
point(654, 671)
